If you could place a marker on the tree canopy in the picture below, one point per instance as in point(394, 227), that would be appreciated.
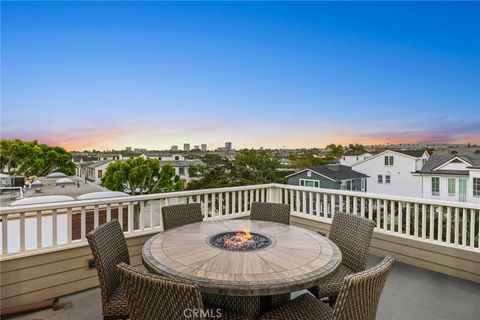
point(356, 148)
point(18, 157)
point(141, 176)
point(334, 151)
point(249, 167)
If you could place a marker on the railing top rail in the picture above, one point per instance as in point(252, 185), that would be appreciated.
point(381, 196)
point(158, 196)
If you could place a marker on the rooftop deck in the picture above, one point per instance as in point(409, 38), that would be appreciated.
point(410, 293)
point(436, 243)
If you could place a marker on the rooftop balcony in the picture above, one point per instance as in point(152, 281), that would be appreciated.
point(45, 254)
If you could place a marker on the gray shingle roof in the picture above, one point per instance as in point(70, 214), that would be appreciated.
point(98, 164)
point(411, 153)
point(343, 172)
point(438, 160)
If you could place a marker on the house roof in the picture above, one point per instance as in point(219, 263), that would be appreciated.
point(339, 174)
point(437, 160)
point(355, 153)
point(99, 163)
point(411, 153)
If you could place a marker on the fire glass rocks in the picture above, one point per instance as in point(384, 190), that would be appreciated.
point(239, 241)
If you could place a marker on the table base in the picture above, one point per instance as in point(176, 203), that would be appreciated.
point(251, 306)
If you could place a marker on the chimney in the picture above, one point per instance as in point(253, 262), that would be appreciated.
point(334, 167)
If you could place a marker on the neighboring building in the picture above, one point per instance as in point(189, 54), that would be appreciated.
point(203, 147)
point(109, 156)
point(174, 148)
point(330, 176)
point(96, 171)
point(452, 177)
point(181, 166)
point(128, 149)
point(81, 168)
point(177, 161)
point(80, 158)
point(391, 172)
point(186, 147)
point(285, 162)
point(196, 147)
point(349, 158)
point(228, 146)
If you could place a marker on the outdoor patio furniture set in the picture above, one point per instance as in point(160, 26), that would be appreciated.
point(240, 269)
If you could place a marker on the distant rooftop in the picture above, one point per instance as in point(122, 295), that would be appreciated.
point(437, 160)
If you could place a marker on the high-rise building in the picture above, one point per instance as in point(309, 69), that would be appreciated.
point(196, 147)
point(203, 147)
point(228, 145)
point(174, 148)
point(128, 149)
point(186, 147)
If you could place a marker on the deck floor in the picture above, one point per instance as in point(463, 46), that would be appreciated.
point(410, 293)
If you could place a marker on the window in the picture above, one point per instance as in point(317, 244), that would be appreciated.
point(177, 158)
point(389, 160)
point(387, 178)
point(309, 173)
point(476, 187)
point(357, 158)
point(451, 187)
point(181, 171)
point(380, 178)
point(435, 186)
point(100, 173)
point(309, 183)
point(362, 183)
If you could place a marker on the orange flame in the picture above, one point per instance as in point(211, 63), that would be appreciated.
point(239, 238)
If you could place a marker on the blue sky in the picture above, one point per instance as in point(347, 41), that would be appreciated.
point(148, 74)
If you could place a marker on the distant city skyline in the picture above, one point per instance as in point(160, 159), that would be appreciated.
point(106, 75)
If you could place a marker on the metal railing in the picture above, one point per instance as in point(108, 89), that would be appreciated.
point(35, 229)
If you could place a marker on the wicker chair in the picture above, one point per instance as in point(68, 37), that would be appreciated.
point(357, 300)
point(273, 212)
point(109, 248)
point(181, 214)
point(152, 297)
point(352, 234)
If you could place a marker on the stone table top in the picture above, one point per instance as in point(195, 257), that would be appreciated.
point(296, 259)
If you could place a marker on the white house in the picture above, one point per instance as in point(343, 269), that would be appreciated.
point(177, 161)
point(349, 158)
point(96, 171)
point(392, 172)
point(452, 177)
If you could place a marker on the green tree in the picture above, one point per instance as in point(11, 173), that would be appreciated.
point(257, 166)
point(31, 158)
point(308, 160)
point(141, 176)
point(356, 148)
point(249, 167)
point(334, 151)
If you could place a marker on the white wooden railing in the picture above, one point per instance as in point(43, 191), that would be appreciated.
point(35, 229)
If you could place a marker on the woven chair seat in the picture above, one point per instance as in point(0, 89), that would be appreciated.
point(330, 287)
point(357, 300)
point(305, 307)
point(117, 304)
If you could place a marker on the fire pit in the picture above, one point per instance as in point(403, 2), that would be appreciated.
point(239, 241)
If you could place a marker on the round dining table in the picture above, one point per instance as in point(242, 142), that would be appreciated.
point(294, 259)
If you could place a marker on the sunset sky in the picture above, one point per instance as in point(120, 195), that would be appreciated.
point(107, 75)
